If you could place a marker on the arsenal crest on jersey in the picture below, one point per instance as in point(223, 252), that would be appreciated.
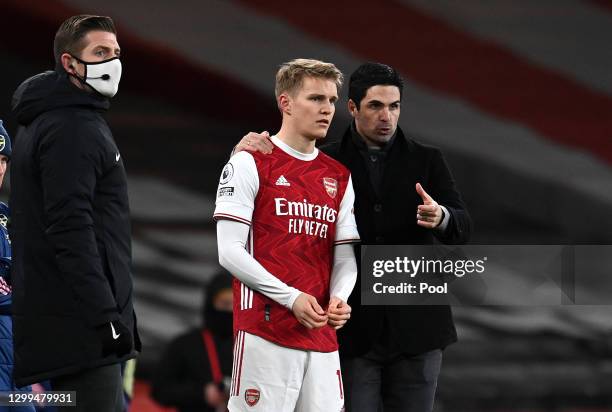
point(331, 186)
point(251, 396)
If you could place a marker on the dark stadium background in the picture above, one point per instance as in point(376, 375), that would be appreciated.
point(518, 94)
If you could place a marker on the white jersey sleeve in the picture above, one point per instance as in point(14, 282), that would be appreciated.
point(231, 242)
point(344, 272)
point(238, 187)
point(346, 228)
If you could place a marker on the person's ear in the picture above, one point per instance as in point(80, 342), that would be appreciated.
point(68, 63)
point(352, 108)
point(284, 103)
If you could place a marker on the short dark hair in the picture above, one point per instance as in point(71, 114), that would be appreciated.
point(69, 36)
point(372, 74)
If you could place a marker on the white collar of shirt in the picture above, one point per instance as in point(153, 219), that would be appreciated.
point(292, 152)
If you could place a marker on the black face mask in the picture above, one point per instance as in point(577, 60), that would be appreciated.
point(219, 322)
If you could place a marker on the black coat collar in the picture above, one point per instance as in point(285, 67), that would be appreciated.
point(398, 164)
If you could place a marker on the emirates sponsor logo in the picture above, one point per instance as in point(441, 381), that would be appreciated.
point(311, 219)
point(304, 208)
point(331, 186)
point(251, 396)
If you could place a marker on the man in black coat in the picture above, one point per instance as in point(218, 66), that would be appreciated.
point(404, 194)
point(73, 317)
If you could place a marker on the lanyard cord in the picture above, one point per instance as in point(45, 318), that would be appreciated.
point(213, 357)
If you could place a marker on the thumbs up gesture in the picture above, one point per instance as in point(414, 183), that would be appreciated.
point(429, 214)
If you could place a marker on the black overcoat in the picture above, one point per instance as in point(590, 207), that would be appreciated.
point(391, 219)
point(70, 231)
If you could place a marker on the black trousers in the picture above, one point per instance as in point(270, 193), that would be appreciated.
point(378, 381)
point(97, 390)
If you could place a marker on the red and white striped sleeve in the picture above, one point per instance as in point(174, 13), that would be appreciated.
point(238, 187)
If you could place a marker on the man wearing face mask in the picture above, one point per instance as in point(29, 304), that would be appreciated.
point(73, 318)
point(192, 374)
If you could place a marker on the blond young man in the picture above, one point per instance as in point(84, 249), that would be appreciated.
point(285, 225)
point(391, 356)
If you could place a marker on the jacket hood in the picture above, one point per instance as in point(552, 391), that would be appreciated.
point(52, 90)
point(221, 280)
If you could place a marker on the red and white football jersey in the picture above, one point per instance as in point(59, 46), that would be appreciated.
point(298, 206)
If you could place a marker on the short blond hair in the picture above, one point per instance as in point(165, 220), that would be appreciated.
point(290, 75)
